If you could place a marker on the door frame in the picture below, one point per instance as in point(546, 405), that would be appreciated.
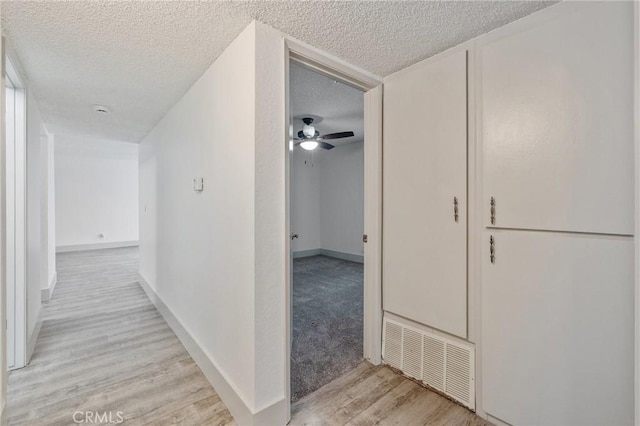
point(371, 85)
point(20, 211)
point(636, 107)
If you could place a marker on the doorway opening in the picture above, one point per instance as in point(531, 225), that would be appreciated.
point(327, 227)
point(15, 230)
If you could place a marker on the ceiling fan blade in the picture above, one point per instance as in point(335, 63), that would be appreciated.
point(325, 145)
point(301, 134)
point(337, 135)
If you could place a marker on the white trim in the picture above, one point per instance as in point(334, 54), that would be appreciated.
point(31, 344)
point(474, 233)
point(351, 257)
point(372, 333)
point(338, 69)
point(47, 293)
point(496, 421)
point(13, 71)
point(288, 275)
point(636, 62)
point(3, 242)
point(225, 390)
point(21, 224)
point(306, 253)
point(332, 66)
point(96, 246)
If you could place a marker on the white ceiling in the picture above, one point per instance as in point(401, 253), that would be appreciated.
point(340, 106)
point(140, 57)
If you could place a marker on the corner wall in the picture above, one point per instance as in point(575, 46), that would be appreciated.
point(216, 258)
point(37, 255)
point(50, 238)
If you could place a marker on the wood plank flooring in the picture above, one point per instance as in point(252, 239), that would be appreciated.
point(375, 395)
point(103, 347)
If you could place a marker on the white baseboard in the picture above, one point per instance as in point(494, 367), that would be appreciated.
point(496, 421)
point(47, 293)
point(274, 414)
point(31, 343)
point(95, 246)
point(330, 253)
point(306, 253)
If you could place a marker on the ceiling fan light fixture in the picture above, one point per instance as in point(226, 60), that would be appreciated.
point(309, 145)
point(308, 130)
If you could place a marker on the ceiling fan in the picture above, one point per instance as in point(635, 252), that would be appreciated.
point(309, 138)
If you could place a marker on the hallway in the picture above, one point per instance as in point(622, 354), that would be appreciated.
point(104, 347)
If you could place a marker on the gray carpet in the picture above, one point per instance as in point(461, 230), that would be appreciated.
point(327, 321)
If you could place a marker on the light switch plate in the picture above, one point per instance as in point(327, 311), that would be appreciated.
point(198, 184)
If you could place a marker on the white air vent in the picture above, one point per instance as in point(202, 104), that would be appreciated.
point(393, 349)
point(412, 353)
point(440, 362)
point(433, 363)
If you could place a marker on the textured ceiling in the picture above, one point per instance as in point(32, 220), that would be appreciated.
point(140, 57)
point(340, 106)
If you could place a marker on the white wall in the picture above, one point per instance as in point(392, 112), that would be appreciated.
point(51, 215)
point(96, 191)
point(36, 252)
point(327, 199)
point(305, 200)
point(217, 258)
point(342, 199)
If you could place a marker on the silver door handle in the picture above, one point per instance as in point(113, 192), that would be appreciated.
point(492, 249)
point(455, 209)
point(492, 211)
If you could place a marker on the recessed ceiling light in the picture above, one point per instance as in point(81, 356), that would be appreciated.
point(101, 109)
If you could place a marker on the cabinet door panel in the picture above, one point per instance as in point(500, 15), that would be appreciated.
point(425, 163)
point(557, 123)
point(557, 327)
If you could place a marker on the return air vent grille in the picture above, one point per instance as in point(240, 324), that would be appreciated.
point(412, 353)
point(440, 362)
point(433, 363)
point(393, 352)
point(458, 379)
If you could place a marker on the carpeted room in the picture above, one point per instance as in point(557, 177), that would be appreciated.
point(327, 220)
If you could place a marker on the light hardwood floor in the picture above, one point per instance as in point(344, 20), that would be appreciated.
point(375, 395)
point(104, 347)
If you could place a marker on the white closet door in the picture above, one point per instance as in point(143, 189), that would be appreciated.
point(557, 120)
point(557, 325)
point(425, 167)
